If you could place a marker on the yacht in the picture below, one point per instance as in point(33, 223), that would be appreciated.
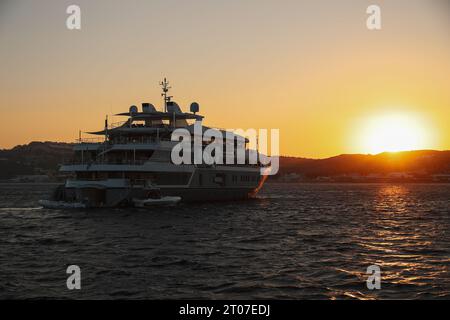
point(131, 159)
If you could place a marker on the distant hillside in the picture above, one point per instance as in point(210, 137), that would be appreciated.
point(33, 158)
point(44, 157)
point(420, 162)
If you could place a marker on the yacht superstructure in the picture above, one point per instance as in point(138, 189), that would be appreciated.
point(134, 157)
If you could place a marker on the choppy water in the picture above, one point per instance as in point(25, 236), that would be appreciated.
point(297, 241)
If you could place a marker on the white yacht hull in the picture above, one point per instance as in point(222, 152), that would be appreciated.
point(198, 184)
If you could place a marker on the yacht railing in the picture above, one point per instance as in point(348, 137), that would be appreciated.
point(91, 140)
point(133, 141)
point(110, 162)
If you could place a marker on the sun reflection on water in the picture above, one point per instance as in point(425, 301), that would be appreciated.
point(401, 238)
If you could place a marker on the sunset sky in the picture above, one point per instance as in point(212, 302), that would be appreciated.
point(309, 68)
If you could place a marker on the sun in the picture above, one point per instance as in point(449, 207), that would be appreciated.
point(393, 132)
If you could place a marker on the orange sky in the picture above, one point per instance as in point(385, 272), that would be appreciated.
point(309, 68)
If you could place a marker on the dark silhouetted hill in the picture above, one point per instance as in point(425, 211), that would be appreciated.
point(420, 162)
point(33, 158)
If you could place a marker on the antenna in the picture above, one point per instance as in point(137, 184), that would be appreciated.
point(165, 88)
point(106, 128)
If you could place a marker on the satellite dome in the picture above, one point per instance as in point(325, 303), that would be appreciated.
point(194, 107)
point(133, 109)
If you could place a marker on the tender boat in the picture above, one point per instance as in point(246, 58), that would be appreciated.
point(144, 203)
point(49, 204)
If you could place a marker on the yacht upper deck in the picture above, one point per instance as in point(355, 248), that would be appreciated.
point(149, 124)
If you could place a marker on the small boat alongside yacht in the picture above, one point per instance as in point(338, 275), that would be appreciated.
point(150, 202)
point(50, 204)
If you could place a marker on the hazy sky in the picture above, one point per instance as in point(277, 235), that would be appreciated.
point(310, 68)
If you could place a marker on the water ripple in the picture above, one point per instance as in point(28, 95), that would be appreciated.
point(296, 241)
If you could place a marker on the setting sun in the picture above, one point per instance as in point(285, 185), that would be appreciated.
point(394, 132)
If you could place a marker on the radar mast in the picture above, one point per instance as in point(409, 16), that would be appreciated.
point(165, 88)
